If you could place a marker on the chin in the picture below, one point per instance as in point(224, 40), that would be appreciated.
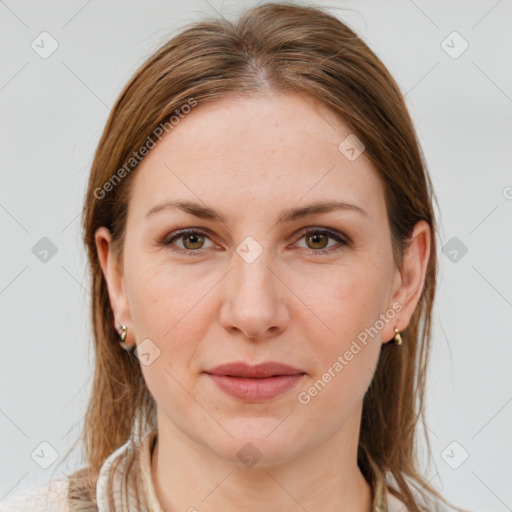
point(253, 447)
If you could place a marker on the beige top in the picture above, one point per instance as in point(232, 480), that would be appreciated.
point(130, 487)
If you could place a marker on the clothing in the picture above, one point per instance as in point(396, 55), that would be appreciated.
point(127, 472)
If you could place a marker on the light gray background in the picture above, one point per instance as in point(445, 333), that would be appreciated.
point(52, 113)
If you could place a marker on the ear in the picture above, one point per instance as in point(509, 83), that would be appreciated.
point(408, 284)
point(113, 273)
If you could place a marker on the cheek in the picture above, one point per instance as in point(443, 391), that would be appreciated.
point(164, 309)
point(162, 294)
point(341, 302)
point(168, 306)
point(348, 302)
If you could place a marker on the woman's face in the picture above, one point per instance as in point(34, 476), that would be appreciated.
point(255, 287)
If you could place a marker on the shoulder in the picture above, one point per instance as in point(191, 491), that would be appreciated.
point(50, 497)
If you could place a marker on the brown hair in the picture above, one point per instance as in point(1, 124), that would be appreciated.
point(282, 48)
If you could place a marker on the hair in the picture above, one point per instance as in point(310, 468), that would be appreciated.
point(270, 48)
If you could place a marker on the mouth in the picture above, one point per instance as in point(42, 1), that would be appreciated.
point(262, 370)
point(255, 383)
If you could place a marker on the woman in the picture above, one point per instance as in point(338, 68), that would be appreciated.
point(261, 236)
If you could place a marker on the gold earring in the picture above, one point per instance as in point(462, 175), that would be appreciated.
point(122, 336)
point(398, 338)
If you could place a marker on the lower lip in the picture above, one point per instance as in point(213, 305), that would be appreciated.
point(256, 390)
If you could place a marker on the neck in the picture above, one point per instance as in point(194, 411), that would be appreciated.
point(187, 475)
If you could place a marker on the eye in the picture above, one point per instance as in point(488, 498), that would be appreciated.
point(318, 239)
point(193, 241)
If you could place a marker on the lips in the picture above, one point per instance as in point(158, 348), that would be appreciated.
point(263, 370)
point(255, 383)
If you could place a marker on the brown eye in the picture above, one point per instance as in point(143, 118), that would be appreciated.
point(196, 241)
point(192, 241)
point(317, 240)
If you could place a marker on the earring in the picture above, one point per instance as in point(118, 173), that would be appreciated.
point(122, 336)
point(398, 338)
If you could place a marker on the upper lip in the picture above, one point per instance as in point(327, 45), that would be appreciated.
point(242, 369)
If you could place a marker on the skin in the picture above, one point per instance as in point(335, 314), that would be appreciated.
point(238, 155)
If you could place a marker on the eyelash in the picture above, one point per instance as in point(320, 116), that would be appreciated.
point(168, 241)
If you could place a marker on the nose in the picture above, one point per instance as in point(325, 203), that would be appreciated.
point(254, 300)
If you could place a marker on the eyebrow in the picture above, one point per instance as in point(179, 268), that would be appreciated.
point(293, 214)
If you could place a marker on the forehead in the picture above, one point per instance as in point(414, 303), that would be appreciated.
point(263, 150)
